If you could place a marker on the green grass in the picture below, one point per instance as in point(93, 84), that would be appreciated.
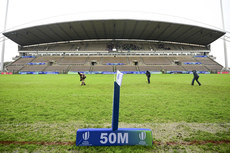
point(53, 107)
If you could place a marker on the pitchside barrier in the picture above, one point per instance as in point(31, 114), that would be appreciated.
point(124, 72)
point(6, 73)
point(28, 72)
point(223, 72)
point(186, 72)
point(106, 72)
point(140, 72)
point(114, 136)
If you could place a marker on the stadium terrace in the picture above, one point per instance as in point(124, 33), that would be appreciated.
point(104, 46)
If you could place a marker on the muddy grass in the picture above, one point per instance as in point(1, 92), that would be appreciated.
point(164, 132)
point(189, 137)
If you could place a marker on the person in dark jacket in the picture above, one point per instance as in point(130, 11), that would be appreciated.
point(148, 74)
point(195, 77)
point(82, 78)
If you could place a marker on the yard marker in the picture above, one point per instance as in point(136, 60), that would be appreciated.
point(114, 136)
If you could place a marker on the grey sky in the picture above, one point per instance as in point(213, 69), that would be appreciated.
point(206, 13)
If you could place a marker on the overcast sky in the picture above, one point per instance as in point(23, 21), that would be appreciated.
point(206, 13)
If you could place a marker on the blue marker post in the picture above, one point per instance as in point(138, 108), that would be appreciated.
point(114, 136)
point(116, 99)
point(116, 96)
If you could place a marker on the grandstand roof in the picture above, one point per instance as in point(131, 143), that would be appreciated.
point(114, 29)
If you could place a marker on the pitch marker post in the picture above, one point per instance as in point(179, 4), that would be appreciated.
point(114, 136)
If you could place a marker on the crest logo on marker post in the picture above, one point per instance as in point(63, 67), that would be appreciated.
point(85, 135)
point(142, 135)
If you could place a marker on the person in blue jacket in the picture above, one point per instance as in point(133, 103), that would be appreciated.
point(195, 77)
point(148, 74)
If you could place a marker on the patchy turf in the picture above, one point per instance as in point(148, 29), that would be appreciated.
point(50, 108)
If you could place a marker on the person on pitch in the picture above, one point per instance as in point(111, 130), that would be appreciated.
point(195, 77)
point(82, 78)
point(148, 74)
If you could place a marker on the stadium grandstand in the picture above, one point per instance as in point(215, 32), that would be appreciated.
point(104, 46)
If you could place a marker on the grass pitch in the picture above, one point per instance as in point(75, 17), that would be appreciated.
point(50, 108)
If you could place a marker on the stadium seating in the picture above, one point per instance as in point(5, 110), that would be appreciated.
point(132, 60)
point(150, 68)
point(77, 68)
point(206, 61)
point(46, 59)
point(156, 61)
point(172, 68)
point(96, 46)
point(13, 68)
point(111, 55)
point(185, 59)
point(95, 59)
point(22, 61)
point(57, 68)
point(73, 60)
point(110, 45)
point(126, 68)
point(65, 64)
point(195, 67)
point(108, 68)
point(214, 68)
point(33, 68)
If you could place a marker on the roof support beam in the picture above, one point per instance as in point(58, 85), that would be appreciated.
point(134, 29)
point(193, 36)
point(200, 39)
point(84, 30)
point(123, 33)
point(75, 32)
point(69, 37)
point(46, 36)
point(163, 31)
point(143, 31)
point(94, 29)
point(185, 33)
point(104, 28)
point(58, 38)
point(114, 31)
point(173, 32)
point(38, 37)
point(24, 39)
point(153, 30)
